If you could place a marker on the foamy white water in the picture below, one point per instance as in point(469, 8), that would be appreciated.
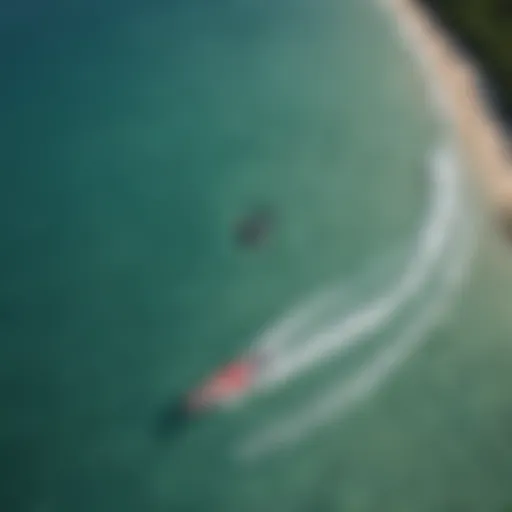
point(333, 402)
point(349, 330)
point(443, 227)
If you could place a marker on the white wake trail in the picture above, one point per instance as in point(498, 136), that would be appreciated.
point(445, 220)
point(287, 332)
point(337, 400)
point(350, 329)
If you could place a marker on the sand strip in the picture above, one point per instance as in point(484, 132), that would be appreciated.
point(478, 131)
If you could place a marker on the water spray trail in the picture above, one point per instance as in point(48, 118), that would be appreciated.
point(445, 212)
point(339, 398)
point(349, 330)
point(294, 324)
point(291, 329)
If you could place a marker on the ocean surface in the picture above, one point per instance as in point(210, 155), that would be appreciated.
point(135, 136)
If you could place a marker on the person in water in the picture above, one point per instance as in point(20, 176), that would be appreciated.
point(253, 230)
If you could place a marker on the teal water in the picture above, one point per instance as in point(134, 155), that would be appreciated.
point(134, 137)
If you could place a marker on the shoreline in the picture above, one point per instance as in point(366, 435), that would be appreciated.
point(456, 86)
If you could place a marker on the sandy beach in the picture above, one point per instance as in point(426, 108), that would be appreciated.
point(457, 81)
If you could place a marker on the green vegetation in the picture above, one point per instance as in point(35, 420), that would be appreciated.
point(484, 27)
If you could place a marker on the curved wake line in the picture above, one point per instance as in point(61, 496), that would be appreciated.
point(345, 333)
point(292, 326)
point(339, 398)
point(294, 323)
point(445, 215)
point(289, 360)
point(338, 401)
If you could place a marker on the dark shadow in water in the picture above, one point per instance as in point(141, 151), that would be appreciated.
point(171, 421)
point(253, 230)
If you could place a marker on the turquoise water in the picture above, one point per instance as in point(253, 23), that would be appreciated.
point(134, 138)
